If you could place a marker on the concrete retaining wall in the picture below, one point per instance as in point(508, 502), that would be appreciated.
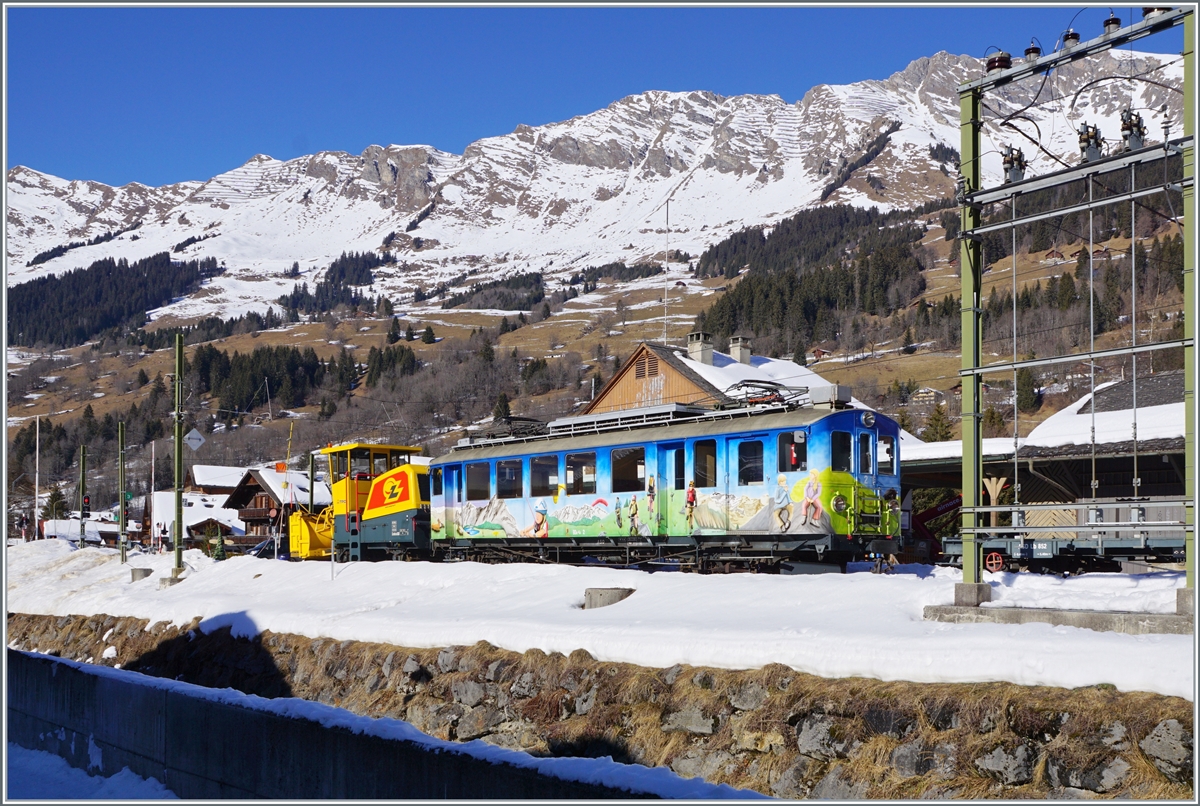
point(200, 748)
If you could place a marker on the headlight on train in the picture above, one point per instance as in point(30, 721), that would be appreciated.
point(839, 504)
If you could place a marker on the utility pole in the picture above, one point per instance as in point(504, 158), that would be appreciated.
point(83, 508)
point(666, 268)
point(121, 507)
point(178, 569)
point(37, 470)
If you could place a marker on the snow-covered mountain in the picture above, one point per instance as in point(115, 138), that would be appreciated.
point(585, 191)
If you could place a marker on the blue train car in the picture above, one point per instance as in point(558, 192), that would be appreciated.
point(674, 484)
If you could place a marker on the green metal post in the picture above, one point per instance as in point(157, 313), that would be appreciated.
point(311, 483)
point(82, 490)
point(121, 489)
point(178, 569)
point(972, 272)
point(1190, 289)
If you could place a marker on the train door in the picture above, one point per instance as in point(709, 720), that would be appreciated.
point(672, 489)
point(709, 515)
point(745, 483)
point(452, 496)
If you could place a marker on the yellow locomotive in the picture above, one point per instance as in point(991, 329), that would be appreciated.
point(380, 506)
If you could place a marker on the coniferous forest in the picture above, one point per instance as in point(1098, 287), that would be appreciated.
point(69, 309)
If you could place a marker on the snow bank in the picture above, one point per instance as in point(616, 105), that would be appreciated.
point(830, 625)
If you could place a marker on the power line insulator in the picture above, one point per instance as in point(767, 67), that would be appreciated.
point(1112, 24)
point(1000, 60)
point(1032, 52)
point(1014, 164)
point(1133, 130)
point(1070, 38)
point(1090, 143)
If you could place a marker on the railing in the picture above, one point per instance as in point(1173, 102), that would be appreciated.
point(254, 514)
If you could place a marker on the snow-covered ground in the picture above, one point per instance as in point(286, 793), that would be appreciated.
point(832, 625)
point(37, 775)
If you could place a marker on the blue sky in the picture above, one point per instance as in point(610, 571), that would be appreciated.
point(160, 95)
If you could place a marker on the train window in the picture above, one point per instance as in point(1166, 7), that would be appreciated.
point(508, 478)
point(628, 470)
point(865, 463)
point(436, 473)
point(423, 487)
point(360, 462)
point(704, 462)
point(479, 482)
point(581, 473)
point(887, 456)
point(840, 446)
point(337, 465)
point(379, 462)
point(543, 475)
point(680, 483)
point(793, 451)
point(750, 463)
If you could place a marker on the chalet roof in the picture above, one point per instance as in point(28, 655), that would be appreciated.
point(1160, 415)
point(216, 475)
point(197, 508)
point(271, 482)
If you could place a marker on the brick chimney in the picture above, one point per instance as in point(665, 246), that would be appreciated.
point(739, 348)
point(700, 347)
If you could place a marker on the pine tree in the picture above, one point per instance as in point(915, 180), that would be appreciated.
point(393, 335)
point(993, 423)
point(800, 356)
point(427, 337)
point(502, 410)
point(142, 378)
point(216, 541)
point(546, 310)
point(56, 506)
point(937, 425)
point(1027, 397)
point(487, 353)
point(904, 420)
point(408, 333)
point(385, 307)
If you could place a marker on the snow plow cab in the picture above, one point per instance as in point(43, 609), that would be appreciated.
point(380, 506)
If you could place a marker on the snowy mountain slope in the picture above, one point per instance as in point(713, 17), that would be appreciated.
point(580, 192)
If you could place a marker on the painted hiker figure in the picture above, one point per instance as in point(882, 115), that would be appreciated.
point(633, 516)
point(811, 510)
point(781, 503)
point(690, 504)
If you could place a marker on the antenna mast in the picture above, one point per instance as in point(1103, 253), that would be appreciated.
point(666, 266)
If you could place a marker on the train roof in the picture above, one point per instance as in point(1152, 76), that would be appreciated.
point(695, 423)
point(345, 446)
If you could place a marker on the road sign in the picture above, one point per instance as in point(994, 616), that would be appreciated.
point(128, 495)
point(194, 439)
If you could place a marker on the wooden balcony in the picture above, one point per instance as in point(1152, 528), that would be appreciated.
point(254, 514)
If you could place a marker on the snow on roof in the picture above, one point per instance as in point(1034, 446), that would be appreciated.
point(918, 451)
point(1073, 425)
point(197, 508)
point(725, 371)
point(296, 489)
point(217, 475)
point(69, 530)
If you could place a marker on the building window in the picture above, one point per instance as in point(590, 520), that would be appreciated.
point(508, 478)
point(479, 482)
point(750, 463)
point(841, 447)
point(704, 462)
point(628, 470)
point(543, 475)
point(581, 473)
point(793, 451)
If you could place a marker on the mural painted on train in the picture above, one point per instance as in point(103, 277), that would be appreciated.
point(793, 482)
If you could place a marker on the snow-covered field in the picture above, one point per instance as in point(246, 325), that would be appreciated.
point(832, 625)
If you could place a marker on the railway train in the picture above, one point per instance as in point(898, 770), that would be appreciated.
point(669, 486)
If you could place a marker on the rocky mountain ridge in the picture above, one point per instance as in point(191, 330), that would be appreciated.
point(586, 191)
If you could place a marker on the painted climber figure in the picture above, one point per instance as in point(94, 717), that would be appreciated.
point(782, 505)
point(540, 526)
point(690, 503)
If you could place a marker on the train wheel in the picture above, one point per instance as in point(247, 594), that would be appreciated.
point(994, 562)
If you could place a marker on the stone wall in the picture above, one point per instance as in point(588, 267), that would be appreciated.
point(775, 730)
